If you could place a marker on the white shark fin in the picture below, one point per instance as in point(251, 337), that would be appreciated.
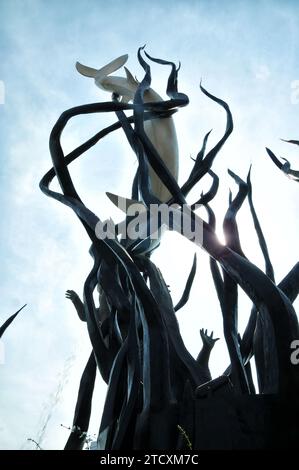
point(104, 71)
point(130, 78)
point(86, 71)
point(111, 67)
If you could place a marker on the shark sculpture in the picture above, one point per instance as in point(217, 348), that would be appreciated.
point(161, 132)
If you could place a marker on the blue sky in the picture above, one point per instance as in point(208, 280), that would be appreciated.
point(246, 53)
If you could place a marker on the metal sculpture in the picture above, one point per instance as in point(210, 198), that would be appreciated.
point(157, 392)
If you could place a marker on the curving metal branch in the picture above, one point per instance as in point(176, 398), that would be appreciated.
point(185, 296)
point(284, 167)
point(6, 324)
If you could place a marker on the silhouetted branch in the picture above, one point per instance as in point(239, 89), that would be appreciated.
point(185, 296)
point(9, 321)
